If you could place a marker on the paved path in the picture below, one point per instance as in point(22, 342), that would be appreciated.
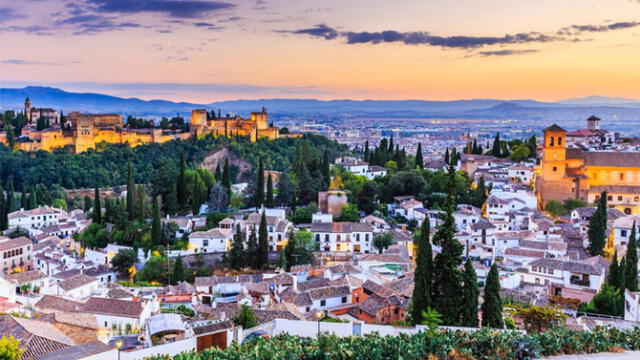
point(627, 355)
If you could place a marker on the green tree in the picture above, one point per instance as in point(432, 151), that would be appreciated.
point(555, 208)
point(140, 208)
point(226, 175)
point(123, 260)
point(597, 227)
point(181, 184)
point(285, 190)
point(349, 213)
point(520, 153)
point(33, 199)
point(97, 207)
point(270, 203)
point(178, 271)
point(419, 160)
point(631, 267)
point(609, 301)
point(88, 204)
point(423, 277)
point(155, 269)
point(496, 150)
point(253, 250)
point(156, 225)
point(470, 296)
point(366, 151)
point(430, 317)
point(262, 257)
point(235, 258)
point(366, 197)
point(492, 305)
point(259, 196)
point(299, 249)
point(11, 137)
point(245, 318)
point(326, 174)
point(447, 285)
point(383, 241)
point(615, 277)
point(131, 212)
point(10, 348)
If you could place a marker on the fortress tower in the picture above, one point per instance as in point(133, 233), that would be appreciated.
point(27, 109)
point(260, 119)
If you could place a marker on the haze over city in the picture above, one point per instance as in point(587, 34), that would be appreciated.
point(203, 51)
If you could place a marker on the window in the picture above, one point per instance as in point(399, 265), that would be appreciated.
point(610, 197)
point(623, 233)
point(323, 302)
point(551, 141)
point(344, 299)
point(205, 242)
point(555, 168)
point(636, 198)
point(559, 140)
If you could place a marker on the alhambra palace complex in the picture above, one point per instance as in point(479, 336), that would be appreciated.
point(84, 131)
point(574, 165)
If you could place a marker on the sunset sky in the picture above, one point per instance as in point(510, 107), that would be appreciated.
point(205, 50)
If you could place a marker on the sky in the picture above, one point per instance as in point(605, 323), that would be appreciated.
point(212, 50)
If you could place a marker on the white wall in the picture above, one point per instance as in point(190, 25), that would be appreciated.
point(171, 349)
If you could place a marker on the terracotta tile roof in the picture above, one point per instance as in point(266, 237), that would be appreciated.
point(329, 292)
point(341, 227)
point(24, 277)
point(76, 281)
point(36, 337)
point(49, 302)
point(524, 252)
point(581, 267)
point(377, 289)
point(7, 244)
point(212, 327)
point(77, 352)
point(113, 307)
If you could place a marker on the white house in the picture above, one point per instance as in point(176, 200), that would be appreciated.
point(566, 277)
point(520, 173)
point(36, 218)
point(112, 313)
point(408, 208)
point(343, 236)
point(632, 305)
point(77, 287)
point(278, 227)
point(622, 229)
point(213, 240)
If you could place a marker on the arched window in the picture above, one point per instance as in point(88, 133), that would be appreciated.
point(551, 141)
point(559, 140)
point(621, 176)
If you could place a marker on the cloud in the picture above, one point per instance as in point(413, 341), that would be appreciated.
point(31, 62)
point(172, 8)
point(568, 33)
point(507, 52)
point(320, 30)
point(8, 14)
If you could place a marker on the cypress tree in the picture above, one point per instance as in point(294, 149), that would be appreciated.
point(492, 305)
point(597, 227)
point(390, 145)
point(253, 251)
point(496, 149)
point(631, 268)
point(88, 204)
point(140, 207)
point(33, 199)
point(4, 221)
point(614, 276)
point(172, 200)
point(181, 184)
point(195, 194)
point(263, 242)
point(226, 175)
point(447, 285)
point(447, 158)
point(326, 174)
point(178, 271)
point(423, 278)
point(270, 203)
point(130, 193)
point(470, 296)
point(218, 174)
point(97, 207)
point(24, 201)
point(366, 151)
point(259, 198)
point(419, 159)
point(235, 258)
point(10, 198)
point(156, 226)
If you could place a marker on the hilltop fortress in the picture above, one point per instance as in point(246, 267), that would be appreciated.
point(85, 131)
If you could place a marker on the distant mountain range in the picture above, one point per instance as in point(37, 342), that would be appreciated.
point(570, 109)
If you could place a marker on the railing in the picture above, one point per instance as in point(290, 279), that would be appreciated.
point(578, 281)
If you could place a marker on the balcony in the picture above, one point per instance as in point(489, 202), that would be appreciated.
point(576, 280)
